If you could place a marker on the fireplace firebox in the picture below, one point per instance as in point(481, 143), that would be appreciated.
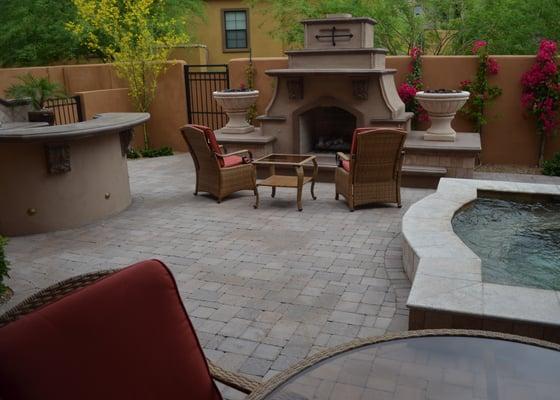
point(325, 129)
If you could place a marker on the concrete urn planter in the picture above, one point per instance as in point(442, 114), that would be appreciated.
point(236, 104)
point(442, 107)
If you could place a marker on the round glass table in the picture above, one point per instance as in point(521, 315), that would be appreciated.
point(454, 365)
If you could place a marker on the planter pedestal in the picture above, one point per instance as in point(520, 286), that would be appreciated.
point(236, 105)
point(441, 108)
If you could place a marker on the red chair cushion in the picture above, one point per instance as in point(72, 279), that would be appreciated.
point(126, 336)
point(357, 131)
point(232, 161)
point(212, 142)
point(345, 165)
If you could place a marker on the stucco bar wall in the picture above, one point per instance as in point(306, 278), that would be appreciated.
point(36, 200)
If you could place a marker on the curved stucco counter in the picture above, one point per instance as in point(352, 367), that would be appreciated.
point(65, 176)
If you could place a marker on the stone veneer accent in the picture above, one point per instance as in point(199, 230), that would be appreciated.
point(457, 157)
point(447, 287)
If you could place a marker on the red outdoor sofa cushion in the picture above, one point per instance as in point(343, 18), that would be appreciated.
point(126, 336)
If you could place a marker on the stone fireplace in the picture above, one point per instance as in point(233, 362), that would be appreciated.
point(336, 83)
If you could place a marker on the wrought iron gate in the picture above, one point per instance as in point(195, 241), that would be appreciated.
point(67, 110)
point(200, 82)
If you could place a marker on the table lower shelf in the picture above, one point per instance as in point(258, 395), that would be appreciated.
point(283, 181)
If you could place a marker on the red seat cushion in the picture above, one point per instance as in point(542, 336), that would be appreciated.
point(345, 165)
point(126, 336)
point(232, 161)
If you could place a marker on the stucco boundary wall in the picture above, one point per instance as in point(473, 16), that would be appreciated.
point(508, 138)
point(101, 90)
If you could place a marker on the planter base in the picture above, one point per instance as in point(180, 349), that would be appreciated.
point(441, 137)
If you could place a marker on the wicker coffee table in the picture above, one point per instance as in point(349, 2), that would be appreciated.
point(434, 364)
point(276, 180)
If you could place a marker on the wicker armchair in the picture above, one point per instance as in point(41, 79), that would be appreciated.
point(217, 173)
point(372, 171)
point(72, 340)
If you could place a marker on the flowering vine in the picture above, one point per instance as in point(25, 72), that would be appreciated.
point(250, 72)
point(541, 92)
point(482, 93)
point(413, 83)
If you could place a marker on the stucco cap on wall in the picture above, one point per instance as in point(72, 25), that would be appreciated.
point(102, 123)
point(338, 20)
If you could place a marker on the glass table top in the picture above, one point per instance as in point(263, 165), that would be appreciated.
point(285, 159)
point(452, 368)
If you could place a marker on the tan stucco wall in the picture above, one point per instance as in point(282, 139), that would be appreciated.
point(208, 31)
point(103, 91)
point(508, 138)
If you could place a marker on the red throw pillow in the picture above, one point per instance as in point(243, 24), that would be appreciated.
point(126, 336)
point(212, 142)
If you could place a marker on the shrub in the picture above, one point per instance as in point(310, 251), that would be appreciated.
point(150, 153)
point(3, 265)
point(552, 167)
point(37, 90)
point(163, 151)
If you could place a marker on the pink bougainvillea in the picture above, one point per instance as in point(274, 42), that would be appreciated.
point(492, 66)
point(477, 45)
point(407, 90)
point(541, 88)
point(482, 93)
point(541, 91)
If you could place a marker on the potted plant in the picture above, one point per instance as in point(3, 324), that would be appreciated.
point(441, 105)
point(37, 91)
point(236, 103)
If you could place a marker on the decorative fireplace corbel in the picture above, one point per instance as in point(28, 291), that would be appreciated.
point(58, 158)
point(360, 88)
point(295, 88)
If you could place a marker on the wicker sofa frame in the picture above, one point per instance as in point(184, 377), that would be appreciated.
point(210, 177)
point(61, 289)
point(375, 168)
point(254, 389)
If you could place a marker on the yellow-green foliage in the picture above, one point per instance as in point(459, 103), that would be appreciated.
point(134, 36)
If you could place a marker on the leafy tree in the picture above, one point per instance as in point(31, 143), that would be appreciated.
point(32, 32)
point(436, 26)
point(509, 26)
point(135, 35)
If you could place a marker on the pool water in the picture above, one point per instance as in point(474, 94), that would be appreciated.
point(518, 243)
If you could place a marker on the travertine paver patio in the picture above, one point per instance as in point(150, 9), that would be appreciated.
point(264, 287)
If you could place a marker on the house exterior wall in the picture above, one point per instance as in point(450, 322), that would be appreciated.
point(209, 31)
